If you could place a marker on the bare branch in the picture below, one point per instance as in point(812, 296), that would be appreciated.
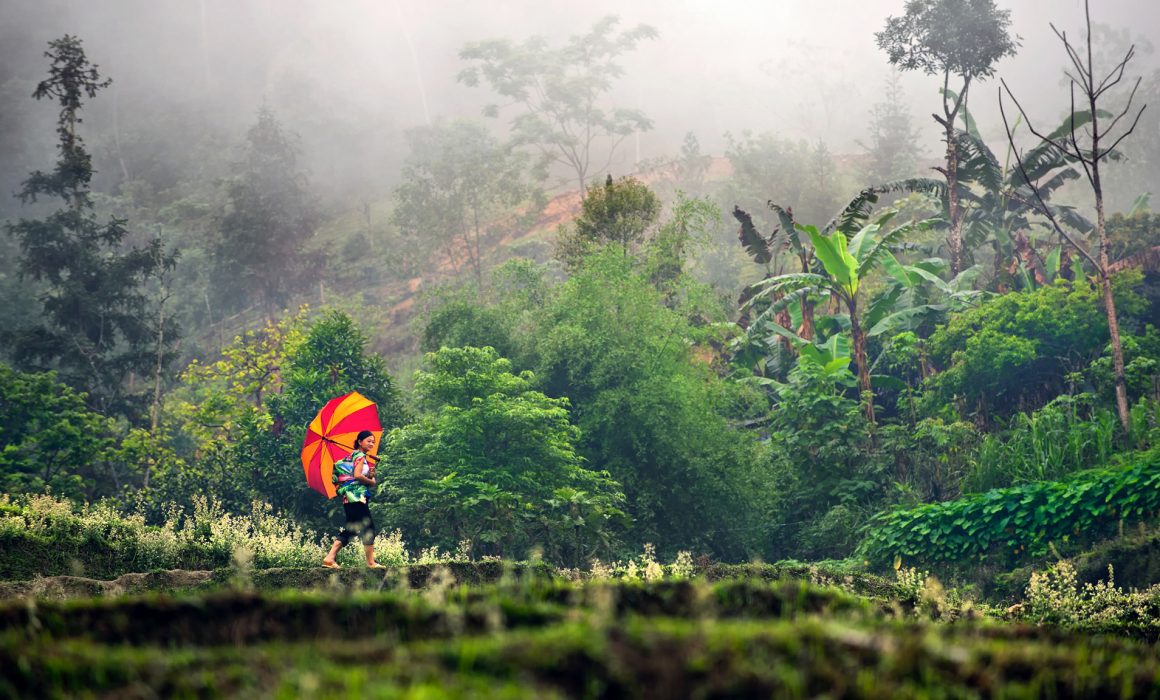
point(1129, 131)
point(1071, 53)
point(1127, 108)
point(1044, 209)
point(1027, 120)
point(1118, 72)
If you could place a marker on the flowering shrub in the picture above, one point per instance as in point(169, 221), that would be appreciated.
point(1054, 597)
point(644, 568)
point(55, 536)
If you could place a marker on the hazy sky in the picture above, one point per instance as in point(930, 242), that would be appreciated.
point(802, 68)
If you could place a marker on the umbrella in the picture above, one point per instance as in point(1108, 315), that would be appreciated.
point(330, 437)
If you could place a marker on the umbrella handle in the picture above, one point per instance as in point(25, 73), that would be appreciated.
point(349, 447)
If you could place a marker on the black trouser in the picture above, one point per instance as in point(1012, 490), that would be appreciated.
point(358, 524)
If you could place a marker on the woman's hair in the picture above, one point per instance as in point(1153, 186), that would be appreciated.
point(362, 436)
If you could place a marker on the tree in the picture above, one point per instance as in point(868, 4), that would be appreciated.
point(561, 92)
point(460, 186)
point(260, 255)
point(893, 144)
point(649, 412)
point(330, 360)
point(1091, 142)
point(49, 440)
point(960, 38)
point(618, 214)
point(844, 268)
point(494, 461)
point(95, 327)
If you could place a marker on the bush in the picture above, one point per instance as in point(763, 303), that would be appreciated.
point(45, 536)
point(1019, 522)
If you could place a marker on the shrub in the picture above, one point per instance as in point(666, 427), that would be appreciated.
point(1018, 522)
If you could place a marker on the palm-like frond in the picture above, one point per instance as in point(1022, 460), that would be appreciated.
point(857, 212)
point(753, 242)
point(785, 217)
point(874, 256)
point(977, 163)
point(787, 283)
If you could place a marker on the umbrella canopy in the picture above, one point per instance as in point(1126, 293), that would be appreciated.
point(330, 437)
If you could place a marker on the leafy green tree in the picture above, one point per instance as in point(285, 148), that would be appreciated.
point(260, 254)
point(1015, 352)
point(215, 402)
point(330, 360)
point(460, 186)
point(649, 412)
point(561, 92)
point(494, 461)
point(95, 328)
point(959, 38)
point(50, 441)
point(822, 458)
point(619, 214)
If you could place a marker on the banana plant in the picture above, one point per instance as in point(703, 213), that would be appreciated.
point(844, 264)
point(1003, 207)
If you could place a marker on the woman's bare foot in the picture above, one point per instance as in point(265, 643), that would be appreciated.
point(375, 565)
point(330, 564)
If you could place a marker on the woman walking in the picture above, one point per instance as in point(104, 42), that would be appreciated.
point(354, 476)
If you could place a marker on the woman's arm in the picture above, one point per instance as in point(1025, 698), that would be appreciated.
point(359, 463)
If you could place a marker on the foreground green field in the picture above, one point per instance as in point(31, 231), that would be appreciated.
point(530, 636)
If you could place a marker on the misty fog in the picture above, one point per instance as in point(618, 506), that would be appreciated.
point(351, 77)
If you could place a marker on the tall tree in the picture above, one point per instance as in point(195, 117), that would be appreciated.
point(1090, 137)
point(460, 185)
point(260, 255)
point(959, 38)
point(95, 327)
point(562, 93)
point(893, 141)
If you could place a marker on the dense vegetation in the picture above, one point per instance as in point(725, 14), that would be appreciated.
point(881, 371)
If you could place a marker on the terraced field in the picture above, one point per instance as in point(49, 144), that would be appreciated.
point(521, 634)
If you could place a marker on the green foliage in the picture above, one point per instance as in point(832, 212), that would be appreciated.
point(463, 322)
point(956, 37)
point(492, 461)
point(1016, 351)
point(331, 360)
point(96, 328)
point(561, 92)
point(260, 253)
point(1067, 435)
point(619, 213)
point(820, 453)
point(43, 536)
point(1015, 523)
point(648, 411)
point(50, 441)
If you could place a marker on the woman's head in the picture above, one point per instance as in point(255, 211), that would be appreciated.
point(365, 441)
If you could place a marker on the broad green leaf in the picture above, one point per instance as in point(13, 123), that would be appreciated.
point(1052, 263)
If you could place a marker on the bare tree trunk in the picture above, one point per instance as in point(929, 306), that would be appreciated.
point(1106, 279)
point(1092, 88)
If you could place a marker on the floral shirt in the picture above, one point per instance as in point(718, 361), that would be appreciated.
point(351, 489)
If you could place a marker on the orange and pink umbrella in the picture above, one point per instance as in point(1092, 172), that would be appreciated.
point(330, 437)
